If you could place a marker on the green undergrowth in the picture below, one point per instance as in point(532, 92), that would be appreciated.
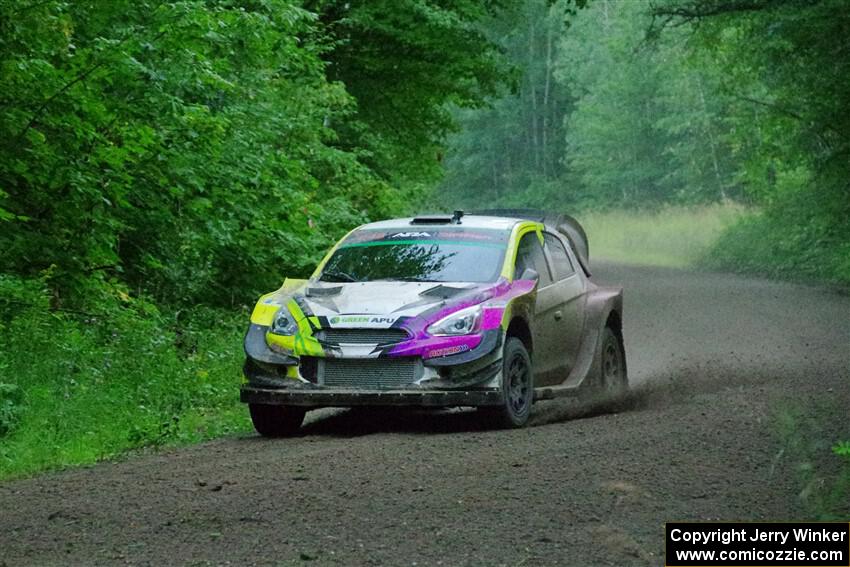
point(814, 443)
point(792, 240)
point(79, 387)
point(671, 237)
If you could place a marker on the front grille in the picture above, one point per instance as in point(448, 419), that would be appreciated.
point(367, 373)
point(362, 336)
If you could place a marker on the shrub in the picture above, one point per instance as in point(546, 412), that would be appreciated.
point(79, 387)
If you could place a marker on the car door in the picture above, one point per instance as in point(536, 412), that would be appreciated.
point(545, 357)
point(568, 291)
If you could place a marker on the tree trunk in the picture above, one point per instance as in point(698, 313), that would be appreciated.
point(535, 152)
point(546, 89)
point(711, 141)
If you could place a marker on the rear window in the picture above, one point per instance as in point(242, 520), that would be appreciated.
point(420, 255)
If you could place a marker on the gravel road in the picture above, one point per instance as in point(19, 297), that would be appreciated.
point(713, 359)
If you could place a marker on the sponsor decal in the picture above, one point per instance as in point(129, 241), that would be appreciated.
point(447, 351)
point(411, 235)
point(362, 320)
point(349, 319)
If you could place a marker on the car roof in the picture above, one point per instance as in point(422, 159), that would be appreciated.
point(468, 221)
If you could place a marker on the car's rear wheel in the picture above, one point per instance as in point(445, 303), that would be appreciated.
point(613, 380)
point(517, 386)
point(276, 421)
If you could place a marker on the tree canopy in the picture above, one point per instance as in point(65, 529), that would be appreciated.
point(196, 151)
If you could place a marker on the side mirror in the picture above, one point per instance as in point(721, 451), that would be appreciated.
point(530, 274)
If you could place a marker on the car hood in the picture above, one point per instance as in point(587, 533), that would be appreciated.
point(390, 300)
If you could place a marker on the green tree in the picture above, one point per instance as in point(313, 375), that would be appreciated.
point(196, 151)
point(785, 73)
point(601, 117)
point(650, 123)
point(405, 62)
point(614, 144)
point(177, 147)
point(512, 150)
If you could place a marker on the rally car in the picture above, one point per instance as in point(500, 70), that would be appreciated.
point(493, 309)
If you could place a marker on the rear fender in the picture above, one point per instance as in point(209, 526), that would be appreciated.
point(601, 303)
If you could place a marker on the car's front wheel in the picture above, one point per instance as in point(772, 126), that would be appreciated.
point(276, 421)
point(517, 386)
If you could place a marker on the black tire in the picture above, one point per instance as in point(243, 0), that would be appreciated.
point(613, 378)
point(276, 421)
point(517, 386)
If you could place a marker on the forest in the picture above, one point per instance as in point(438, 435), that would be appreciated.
point(644, 104)
point(163, 162)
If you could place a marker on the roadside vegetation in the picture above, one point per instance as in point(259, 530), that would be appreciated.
point(79, 387)
point(775, 243)
point(811, 445)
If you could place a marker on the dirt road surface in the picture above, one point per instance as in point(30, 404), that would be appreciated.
point(713, 359)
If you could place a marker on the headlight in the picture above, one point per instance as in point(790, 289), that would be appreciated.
point(284, 323)
point(462, 322)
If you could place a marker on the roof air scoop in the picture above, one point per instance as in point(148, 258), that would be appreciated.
point(432, 219)
point(438, 219)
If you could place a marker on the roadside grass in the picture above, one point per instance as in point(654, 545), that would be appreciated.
point(675, 237)
point(76, 389)
point(814, 444)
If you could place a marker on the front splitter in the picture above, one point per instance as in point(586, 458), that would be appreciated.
point(335, 397)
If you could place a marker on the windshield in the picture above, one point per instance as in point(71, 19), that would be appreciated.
point(419, 256)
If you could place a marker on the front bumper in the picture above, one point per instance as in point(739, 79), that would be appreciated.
point(473, 371)
point(335, 397)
